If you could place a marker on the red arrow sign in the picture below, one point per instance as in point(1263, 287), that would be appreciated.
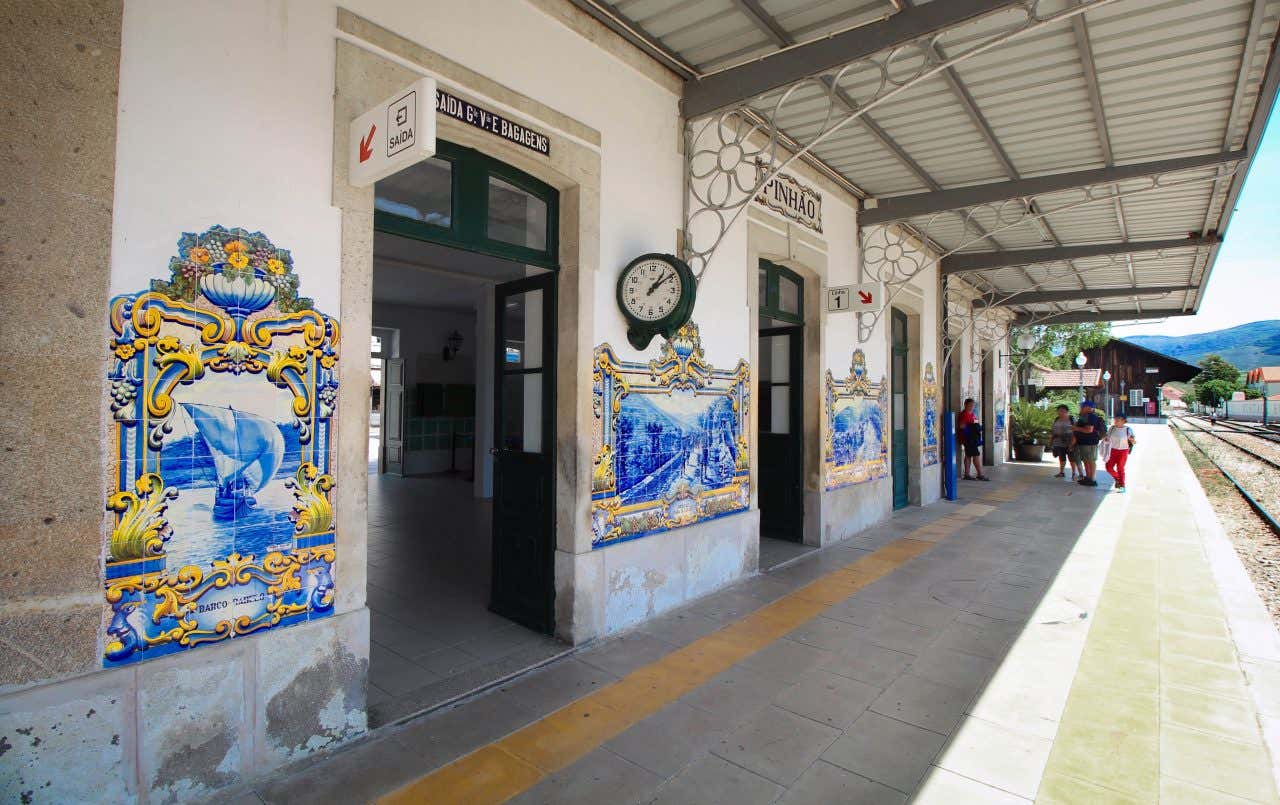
point(366, 142)
point(865, 297)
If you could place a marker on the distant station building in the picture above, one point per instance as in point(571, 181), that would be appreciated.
point(653, 296)
point(1138, 376)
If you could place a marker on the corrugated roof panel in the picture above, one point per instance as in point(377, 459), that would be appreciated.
point(806, 19)
point(1167, 72)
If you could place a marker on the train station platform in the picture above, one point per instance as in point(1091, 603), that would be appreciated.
point(1036, 641)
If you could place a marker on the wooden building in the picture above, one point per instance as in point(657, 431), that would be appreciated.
point(1137, 375)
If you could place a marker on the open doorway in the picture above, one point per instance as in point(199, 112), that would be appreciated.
point(461, 496)
point(780, 421)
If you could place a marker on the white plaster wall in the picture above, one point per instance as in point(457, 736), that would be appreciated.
point(226, 117)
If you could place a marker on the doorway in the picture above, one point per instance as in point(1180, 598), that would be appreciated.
point(461, 517)
point(780, 421)
point(899, 378)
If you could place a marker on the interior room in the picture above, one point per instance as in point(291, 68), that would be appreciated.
point(431, 479)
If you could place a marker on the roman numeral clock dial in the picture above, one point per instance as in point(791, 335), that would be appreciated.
point(655, 294)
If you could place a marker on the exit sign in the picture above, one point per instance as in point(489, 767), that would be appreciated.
point(397, 133)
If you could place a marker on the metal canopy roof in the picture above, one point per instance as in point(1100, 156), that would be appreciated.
point(1133, 122)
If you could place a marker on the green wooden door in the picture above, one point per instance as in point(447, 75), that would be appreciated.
point(898, 373)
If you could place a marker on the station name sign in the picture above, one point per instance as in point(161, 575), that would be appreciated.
point(492, 122)
point(784, 194)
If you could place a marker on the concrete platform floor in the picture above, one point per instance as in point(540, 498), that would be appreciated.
point(1038, 641)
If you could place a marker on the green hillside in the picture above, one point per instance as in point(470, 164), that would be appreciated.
point(1246, 346)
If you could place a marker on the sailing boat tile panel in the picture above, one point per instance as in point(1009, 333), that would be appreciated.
point(224, 386)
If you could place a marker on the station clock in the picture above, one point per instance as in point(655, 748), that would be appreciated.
point(656, 294)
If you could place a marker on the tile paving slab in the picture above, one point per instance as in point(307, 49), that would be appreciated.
point(952, 678)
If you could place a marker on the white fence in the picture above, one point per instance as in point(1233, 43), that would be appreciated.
point(1251, 410)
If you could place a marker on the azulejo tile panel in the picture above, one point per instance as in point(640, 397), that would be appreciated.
point(223, 391)
point(998, 428)
point(857, 409)
point(671, 441)
point(932, 405)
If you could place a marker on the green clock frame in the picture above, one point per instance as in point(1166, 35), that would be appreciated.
point(641, 332)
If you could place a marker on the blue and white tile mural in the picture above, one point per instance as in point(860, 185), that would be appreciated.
point(671, 444)
point(932, 404)
point(223, 391)
point(998, 430)
point(857, 411)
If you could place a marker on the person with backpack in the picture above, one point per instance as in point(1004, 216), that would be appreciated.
point(1120, 437)
point(1089, 429)
point(969, 434)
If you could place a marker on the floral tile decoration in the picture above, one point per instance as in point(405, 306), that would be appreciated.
point(932, 404)
point(223, 391)
point(857, 409)
point(670, 439)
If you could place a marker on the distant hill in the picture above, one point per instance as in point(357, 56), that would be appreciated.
point(1246, 346)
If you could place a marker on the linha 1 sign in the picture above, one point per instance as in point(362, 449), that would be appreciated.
point(783, 194)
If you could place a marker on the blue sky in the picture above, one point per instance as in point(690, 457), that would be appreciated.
point(1245, 285)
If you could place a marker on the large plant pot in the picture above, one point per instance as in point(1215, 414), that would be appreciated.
point(1028, 452)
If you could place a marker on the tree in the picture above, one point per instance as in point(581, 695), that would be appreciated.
point(1215, 367)
point(1217, 381)
point(1213, 392)
point(1072, 338)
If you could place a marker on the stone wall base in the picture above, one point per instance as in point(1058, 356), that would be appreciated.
point(183, 727)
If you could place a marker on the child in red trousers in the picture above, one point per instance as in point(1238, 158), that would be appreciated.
point(1122, 441)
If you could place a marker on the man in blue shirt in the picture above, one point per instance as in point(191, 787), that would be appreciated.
point(1089, 429)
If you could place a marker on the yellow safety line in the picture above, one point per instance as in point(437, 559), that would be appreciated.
point(511, 765)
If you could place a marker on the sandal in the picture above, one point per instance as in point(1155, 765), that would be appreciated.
point(984, 477)
point(966, 477)
point(1060, 475)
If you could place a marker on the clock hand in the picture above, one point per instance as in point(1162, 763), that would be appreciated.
point(655, 285)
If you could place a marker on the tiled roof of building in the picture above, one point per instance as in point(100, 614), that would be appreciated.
point(1264, 374)
point(1070, 378)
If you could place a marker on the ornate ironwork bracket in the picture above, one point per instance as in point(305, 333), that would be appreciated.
point(722, 149)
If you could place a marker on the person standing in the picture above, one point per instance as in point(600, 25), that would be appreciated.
point(1089, 430)
point(1060, 444)
point(969, 433)
point(1122, 441)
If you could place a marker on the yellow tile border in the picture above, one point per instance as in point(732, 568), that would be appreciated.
point(517, 762)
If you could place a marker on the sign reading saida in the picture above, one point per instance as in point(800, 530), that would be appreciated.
point(783, 194)
point(396, 133)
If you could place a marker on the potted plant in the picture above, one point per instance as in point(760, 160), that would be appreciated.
point(1032, 429)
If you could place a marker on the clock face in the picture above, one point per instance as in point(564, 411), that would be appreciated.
point(651, 289)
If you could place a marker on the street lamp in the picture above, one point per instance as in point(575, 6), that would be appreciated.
point(1106, 379)
point(1081, 360)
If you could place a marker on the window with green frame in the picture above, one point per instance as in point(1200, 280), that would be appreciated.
point(781, 293)
point(462, 198)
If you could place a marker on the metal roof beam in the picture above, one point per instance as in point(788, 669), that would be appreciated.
point(887, 210)
point(1073, 295)
point(706, 94)
point(1087, 317)
point(986, 261)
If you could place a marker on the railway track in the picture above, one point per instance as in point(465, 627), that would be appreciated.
point(1255, 475)
point(1203, 425)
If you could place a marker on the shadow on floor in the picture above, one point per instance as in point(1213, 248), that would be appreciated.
point(859, 699)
